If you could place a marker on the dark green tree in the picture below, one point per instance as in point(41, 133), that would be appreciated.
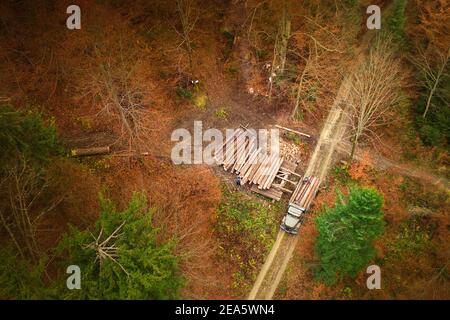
point(20, 279)
point(396, 21)
point(346, 234)
point(121, 258)
point(26, 135)
point(27, 144)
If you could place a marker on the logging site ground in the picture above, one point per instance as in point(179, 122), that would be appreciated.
point(92, 119)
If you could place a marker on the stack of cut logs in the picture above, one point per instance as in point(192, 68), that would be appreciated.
point(305, 192)
point(285, 182)
point(241, 155)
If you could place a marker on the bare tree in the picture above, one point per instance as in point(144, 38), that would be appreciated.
point(188, 19)
point(285, 34)
point(119, 94)
point(432, 70)
point(312, 74)
point(302, 83)
point(280, 46)
point(251, 19)
point(22, 186)
point(373, 93)
point(107, 249)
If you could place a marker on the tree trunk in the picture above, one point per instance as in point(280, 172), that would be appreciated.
point(280, 47)
point(354, 143)
point(431, 94)
point(89, 151)
point(436, 82)
point(285, 32)
point(299, 90)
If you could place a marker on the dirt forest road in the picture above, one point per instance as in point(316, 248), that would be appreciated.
point(333, 131)
point(382, 163)
point(329, 144)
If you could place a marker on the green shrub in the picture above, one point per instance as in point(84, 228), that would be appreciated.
point(351, 3)
point(430, 135)
point(412, 239)
point(227, 34)
point(260, 53)
point(184, 93)
point(200, 99)
point(232, 70)
point(246, 229)
point(291, 136)
point(299, 115)
point(341, 174)
point(415, 193)
point(221, 113)
point(238, 213)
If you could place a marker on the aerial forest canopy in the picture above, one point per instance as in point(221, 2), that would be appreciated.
point(190, 149)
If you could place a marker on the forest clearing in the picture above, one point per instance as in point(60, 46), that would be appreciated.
point(238, 149)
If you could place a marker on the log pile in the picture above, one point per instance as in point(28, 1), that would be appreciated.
point(284, 177)
point(280, 183)
point(240, 155)
point(305, 192)
point(269, 174)
point(271, 193)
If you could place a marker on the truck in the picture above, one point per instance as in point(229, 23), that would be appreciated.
point(299, 204)
point(293, 218)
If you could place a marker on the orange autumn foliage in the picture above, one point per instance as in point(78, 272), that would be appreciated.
point(433, 21)
point(359, 170)
point(184, 201)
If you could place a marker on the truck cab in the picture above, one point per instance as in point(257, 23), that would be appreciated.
point(293, 218)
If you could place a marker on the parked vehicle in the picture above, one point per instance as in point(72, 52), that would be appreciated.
point(299, 204)
point(293, 218)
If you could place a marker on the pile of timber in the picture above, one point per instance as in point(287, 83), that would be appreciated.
point(284, 177)
point(271, 193)
point(239, 154)
point(276, 190)
point(305, 192)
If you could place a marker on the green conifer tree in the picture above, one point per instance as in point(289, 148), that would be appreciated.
point(347, 232)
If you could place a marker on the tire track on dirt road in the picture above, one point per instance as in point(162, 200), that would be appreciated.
point(321, 160)
point(319, 163)
point(410, 170)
